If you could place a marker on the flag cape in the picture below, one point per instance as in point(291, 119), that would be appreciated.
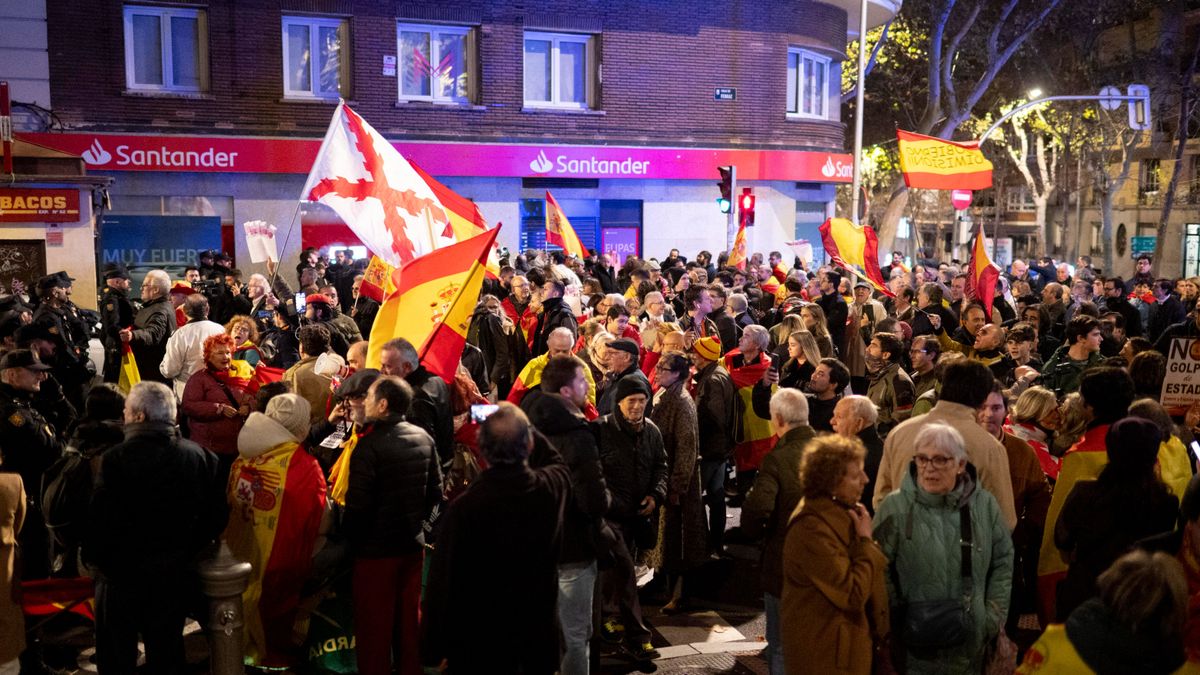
point(938, 164)
point(982, 274)
point(431, 308)
point(737, 255)
point(273, 525)
point(559, 231)
point(264, 374)
point(45, 597)
point(757, 436)
point(129, 369)
point(856, 249)
point(531, 376)
point(377, 280)
point(361, 176)
point(465, 218)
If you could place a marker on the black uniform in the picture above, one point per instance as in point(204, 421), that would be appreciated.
point(116, 312)
point(72, 367)
point(29, 445)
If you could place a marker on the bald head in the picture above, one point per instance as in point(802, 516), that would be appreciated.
point(506, 436)
point(356, 356)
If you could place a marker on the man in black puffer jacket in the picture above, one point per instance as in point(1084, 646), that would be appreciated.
point(554, 409)
point(555, 314)
point(635, 468)
point(395, 484)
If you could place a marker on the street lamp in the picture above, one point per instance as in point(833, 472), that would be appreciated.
point(1035, 94)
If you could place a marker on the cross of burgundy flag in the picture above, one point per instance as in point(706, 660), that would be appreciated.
point(361, 176)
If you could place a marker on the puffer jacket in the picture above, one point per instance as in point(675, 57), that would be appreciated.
point(567, 430)
point(635, 464)
point(920, 533)
point(395, 482)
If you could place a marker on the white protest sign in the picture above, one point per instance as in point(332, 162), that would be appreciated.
point(260, 241)
point(803, 250)
point(1181, 386)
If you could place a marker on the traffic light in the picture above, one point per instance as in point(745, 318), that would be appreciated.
point(746, 206)
point(726, 185)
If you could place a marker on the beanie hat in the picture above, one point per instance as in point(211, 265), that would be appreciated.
point(290, 411)
point(707, 348)
point(1132, 444)
point(625, 345)
point(631, 384)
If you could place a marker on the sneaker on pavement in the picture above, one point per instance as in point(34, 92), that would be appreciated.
point(612, 631)
point(644, 651)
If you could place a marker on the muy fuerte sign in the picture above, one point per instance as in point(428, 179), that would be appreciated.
point(38, 205)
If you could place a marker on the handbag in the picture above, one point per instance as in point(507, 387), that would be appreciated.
point(939, 624)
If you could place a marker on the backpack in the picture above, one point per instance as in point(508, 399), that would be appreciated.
point(66, 498)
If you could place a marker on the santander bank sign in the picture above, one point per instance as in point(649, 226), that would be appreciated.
point(257, 154)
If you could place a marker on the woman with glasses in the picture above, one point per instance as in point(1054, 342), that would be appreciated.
point(949, 601)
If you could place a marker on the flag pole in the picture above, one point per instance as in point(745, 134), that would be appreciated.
point(858, 111)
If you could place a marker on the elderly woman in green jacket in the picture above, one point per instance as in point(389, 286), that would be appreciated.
point(947, 607)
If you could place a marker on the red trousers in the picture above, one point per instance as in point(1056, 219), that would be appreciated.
point(387, 614)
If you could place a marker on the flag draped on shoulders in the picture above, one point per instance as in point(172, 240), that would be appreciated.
point(384, 201)
point(531, 376)
point(559, 231)
point(431, 308)
point(756, 438)
point(855, 248)
point(938, 164)
point(982, 274)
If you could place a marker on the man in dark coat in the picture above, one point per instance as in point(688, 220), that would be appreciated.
point(152, 326)
point(716, 412)
point(116, 312)
point(1167, 310)
point(555, 409)
point(622, 362)
point(605, 273)
point(157, 505)
point(61, 318)
point(555, 314)
point(496, 562)
point(431, 395)
point(1115, 301)
point(834, 305)
point(635, 467)
point(395, 484)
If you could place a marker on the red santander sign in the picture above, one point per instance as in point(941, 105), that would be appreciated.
point(240, 154)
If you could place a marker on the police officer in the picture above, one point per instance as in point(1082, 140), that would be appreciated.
point(28, 445)
point(58, 315)
point(116, 312)
point(50, 400)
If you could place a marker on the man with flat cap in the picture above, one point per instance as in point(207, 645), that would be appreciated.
point(28, 446)
point(58, 315)
point(116, 312)
point(623, 356)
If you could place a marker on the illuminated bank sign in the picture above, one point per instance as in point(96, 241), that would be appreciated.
point(243, 154)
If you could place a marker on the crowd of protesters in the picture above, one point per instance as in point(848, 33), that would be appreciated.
point(938, 483)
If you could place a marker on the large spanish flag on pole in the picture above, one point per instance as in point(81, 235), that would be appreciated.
point(559, 231)
point(938, 164)
point(465, 218)
point(855, 249)
point(431, 308)
point(982, 274)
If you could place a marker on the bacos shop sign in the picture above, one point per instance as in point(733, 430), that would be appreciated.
point(226, 154)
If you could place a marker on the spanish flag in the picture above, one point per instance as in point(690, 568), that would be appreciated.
point(737, 256)
point(465, 218)
point(129, 369)
point(531, 376)
point(755, 435)
point(938, 164)
point(559, 231)
point(431, 308)
point(982, 274)
point(855, 248)
point(377, 280)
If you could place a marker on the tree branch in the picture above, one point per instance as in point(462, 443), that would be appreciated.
point(933, 107)
point(951, 55)
point(849, 95)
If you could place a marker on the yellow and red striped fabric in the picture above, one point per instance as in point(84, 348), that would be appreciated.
point(937, 164)
point(129, 369)
point(757, 435)
point(377, 280)
point(737, 255)
point(982, 274)
point(559, 231)
point(855, 248)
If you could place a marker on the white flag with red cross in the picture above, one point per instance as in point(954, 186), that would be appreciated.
point(362, 177)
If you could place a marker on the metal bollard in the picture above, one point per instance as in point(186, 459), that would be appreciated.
point(223, 579)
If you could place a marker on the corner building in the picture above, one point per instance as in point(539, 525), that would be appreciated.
point(209, 113)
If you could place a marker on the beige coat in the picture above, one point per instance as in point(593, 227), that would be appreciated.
point(309, 386)
point(983, 450)
point(12, 516)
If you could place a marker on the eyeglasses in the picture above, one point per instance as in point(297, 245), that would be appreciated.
point(917, 351)
point(938, 461)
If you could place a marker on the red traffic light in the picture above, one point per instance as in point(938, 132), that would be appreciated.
point(747, 201)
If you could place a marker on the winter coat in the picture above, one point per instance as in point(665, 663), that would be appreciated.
point(892, 392)
point(1061, 374)
point(431, 410)
point(157, 504)
point(555, 314)
point(310, 386)
point(835, 602)
point(395, 482)
point(716, 411)
point(504, 350)
point(634, 462)
point(203, 399)
point(496, 564)
point(276, 497)
point(567, 429)
point(12, 517)
point(152, 325)
point(920, 534)
point(683, 534)
point(771, 501)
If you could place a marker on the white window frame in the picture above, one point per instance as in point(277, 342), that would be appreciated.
point(825, 63)
point(1019, 199)
point(164, 15)
point(1151, 167)
point(468, 34)
point(313, 23)
point(590, 68)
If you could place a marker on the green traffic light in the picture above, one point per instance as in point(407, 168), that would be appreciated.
point(723, 204)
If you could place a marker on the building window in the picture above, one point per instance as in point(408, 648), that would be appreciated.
point(1019, 199)
point(560, 70)
point(435, 63)
point(166, 49)
point(1097, 245)
point(1149, 177)
point(315, 62)
point(807, 84)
